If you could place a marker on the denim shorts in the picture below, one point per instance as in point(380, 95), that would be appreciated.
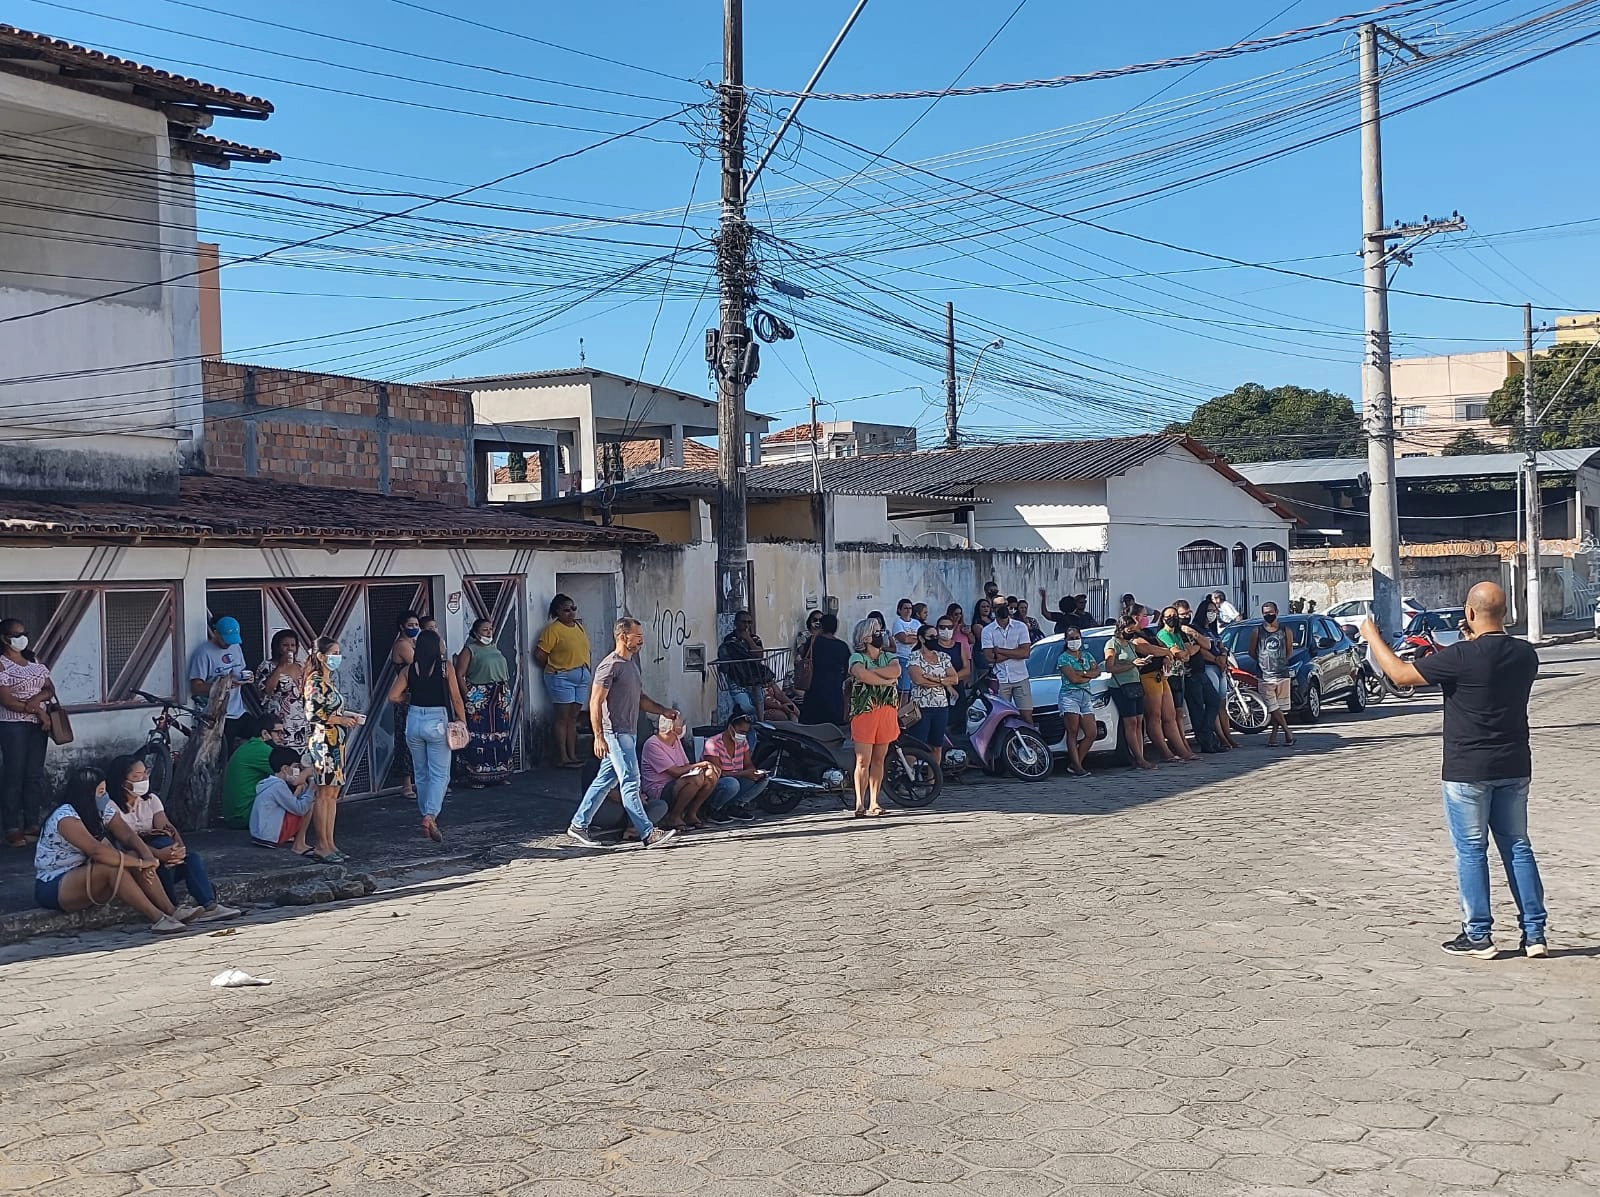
point(47, 894)
point(1075, 701)
point(569, 685)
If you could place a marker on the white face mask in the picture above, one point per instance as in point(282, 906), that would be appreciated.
point(486, 639)
point(740, 738)
point(20, 643)
point(1074, 645)
point(947, 633)
point(139, 788)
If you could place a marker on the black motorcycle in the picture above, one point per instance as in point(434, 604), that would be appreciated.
point(805, 760)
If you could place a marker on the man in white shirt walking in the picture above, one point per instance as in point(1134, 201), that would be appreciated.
point(1006, 643)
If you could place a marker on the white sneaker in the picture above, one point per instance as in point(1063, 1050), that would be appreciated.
point(167, 925)
point(212, 914)
point(186, 912)
point(1537, 950)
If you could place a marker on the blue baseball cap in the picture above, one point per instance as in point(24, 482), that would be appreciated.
point(228, 628)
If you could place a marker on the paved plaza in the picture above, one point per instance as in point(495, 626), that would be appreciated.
point(1218, 979)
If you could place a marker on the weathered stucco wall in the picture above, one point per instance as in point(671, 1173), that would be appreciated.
point(670, 589)
point(1435, 575)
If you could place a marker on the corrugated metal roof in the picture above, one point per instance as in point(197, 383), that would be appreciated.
point(43, 57)
point(944, 472)
point(953, 474)
point(1348, 469)
point(253, 509)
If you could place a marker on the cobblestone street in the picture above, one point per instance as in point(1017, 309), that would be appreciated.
point(1221, 979)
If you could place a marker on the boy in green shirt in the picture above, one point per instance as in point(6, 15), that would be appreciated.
point(247, 767)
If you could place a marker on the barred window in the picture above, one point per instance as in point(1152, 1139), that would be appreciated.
point(1269, 563)
point(128, 616)
point(1202, 563)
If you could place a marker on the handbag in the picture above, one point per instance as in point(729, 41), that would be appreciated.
point(455, 735)
point(803, 669)
point(57, 725)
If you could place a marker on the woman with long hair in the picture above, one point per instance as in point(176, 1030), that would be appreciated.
point(1161, 720)
point(483, 675)
point(1208, 622)
point(407, 628)
point(129, 788)
point(1122, 663)
point(429, 686)
point(76, 866)
point(281, 680)
point(874, 711)
point(982, 616)
point(25, 691)
point(327, 723)
point(935, 681)
point(562, 652)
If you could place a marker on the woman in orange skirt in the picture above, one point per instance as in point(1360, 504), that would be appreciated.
point(874, 711)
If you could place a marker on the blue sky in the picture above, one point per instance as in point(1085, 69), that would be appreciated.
point(1104, 332)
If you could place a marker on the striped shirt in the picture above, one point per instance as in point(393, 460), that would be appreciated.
point(735, 760)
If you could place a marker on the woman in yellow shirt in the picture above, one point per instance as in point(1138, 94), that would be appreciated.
point(563, 653)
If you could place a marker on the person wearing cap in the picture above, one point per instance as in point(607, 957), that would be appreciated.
point(220, 655)
point(739, 782)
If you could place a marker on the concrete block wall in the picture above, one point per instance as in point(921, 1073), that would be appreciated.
point(330, 430)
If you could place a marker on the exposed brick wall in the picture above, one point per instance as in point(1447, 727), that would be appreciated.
point(294, 440)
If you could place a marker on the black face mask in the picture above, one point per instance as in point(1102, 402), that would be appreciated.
point(1002, 612)
point(930, 642)
point(1269, 619)
point(1172, 621)
point(877, 640)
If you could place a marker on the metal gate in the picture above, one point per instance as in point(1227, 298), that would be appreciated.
point(498, 598)
point(362, 615)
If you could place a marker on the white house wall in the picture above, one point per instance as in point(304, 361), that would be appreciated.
point(105, 732)
point(1170, 502)
point(1055, 516)
point(126, 425)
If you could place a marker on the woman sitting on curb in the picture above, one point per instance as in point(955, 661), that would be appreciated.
point(143, 812)
point(76, 867)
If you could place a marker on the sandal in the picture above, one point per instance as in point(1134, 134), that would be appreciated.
point(330, 858)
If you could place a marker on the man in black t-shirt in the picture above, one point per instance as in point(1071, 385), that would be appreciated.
point(1486, 680)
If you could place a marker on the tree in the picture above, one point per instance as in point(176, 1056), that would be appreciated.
point(1574, 421)
point(1469, 443)
point(1257, 423)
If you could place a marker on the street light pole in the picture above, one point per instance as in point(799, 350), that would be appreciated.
point(1535, 505)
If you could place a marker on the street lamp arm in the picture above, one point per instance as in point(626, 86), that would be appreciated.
point(997, 343)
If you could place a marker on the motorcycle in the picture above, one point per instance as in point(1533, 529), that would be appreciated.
point(1246, 709)
point(1374, 682)
point(804, 760)
point(1001, 740)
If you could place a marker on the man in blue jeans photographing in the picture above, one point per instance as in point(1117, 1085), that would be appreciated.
point(1486, 680)
point(615, 698)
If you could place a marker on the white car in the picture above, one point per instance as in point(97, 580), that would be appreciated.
point(1355, 610)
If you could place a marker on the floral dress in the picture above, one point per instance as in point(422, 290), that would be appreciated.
point(324, 740)
point(286, 702)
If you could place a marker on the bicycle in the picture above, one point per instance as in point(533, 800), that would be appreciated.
point(164, 761)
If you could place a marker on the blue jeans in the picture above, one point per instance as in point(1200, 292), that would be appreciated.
point(1475, 810)
point(620, 769)
point(192, 872)
point(731, 791)
point(430, 757)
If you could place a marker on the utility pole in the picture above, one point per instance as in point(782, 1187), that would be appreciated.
point(820, 504)
point(1377, 397)
point(1535, 508)
point(952, 437)
point(733, 352)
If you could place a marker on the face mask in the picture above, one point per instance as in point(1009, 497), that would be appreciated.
point(1269, 619)
point(877, 640)
point(1172, 621)
point(20, 643)
point(486, 639)
point(139, 788)
point(930, 642)
point(413, 633)
point(335, 660)
point(1002, 613)
point(947, 633)
point(740, 738)
point(1074, 645)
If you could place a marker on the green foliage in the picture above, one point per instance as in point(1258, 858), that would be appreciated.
point(1468, 444)
point(516, 466)
point(1257, 423)
point(1574, 421)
